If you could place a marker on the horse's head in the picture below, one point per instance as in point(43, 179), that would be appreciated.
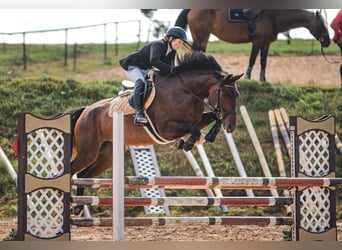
point(223, 97)
point(320, 31)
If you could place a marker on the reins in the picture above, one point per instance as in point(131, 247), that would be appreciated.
point(322, 51)
point(217, 109)
point(326, 58)
point(193, 93)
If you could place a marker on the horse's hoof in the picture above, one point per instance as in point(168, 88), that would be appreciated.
point(210, 138)
point(187, 147)
point(180, 144)
point(77, 210)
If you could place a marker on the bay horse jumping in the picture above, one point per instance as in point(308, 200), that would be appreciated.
point(203, 22)
point(176, 111)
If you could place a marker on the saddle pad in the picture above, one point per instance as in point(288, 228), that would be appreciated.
point(121, 103)
point(236, 15)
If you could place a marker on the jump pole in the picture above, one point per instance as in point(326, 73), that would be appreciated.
point(338, 143)
point(283, 130)
point(9, 166)
point(197, 169)
point(257, 146)
point(277, 149)
point(237, 160)
point(285, 118)
point(118, 176)
point(210, 172)
point(276, 144)
point(199, 172)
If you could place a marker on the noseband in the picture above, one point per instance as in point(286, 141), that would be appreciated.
point(217, 109)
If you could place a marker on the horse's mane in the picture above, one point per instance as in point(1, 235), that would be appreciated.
point(197, 61)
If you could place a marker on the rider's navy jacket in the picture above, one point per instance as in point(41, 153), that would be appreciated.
point(151, 55)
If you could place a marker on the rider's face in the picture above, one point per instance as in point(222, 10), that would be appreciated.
point(176, 43)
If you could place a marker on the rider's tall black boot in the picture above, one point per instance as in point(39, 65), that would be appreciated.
point(140, 118)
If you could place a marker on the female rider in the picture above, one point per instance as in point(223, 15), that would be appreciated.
point(159, 54)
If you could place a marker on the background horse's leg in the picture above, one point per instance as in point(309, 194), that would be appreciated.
point(263, 62)
point(103, 162)
point(201, 25)
point(252, 57)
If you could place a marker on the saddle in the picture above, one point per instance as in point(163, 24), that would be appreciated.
point(244, 15)
point(124, 101)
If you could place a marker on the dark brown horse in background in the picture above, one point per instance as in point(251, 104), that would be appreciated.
point(272, 22)
point(176, 111)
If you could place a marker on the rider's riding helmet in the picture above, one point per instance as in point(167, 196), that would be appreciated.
point(177, 32)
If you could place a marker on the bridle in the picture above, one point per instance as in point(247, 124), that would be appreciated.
point(321, 38)
point(318, 20)
point(217, 110)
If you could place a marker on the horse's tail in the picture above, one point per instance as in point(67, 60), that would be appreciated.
point(75, 114)
point(182, 20)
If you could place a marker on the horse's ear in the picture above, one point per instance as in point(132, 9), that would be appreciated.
point(232, 78)
point(237, 77)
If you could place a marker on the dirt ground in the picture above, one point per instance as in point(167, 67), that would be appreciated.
point(299, 70)
point(180, 233)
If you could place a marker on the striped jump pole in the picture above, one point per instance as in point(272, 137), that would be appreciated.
point(277, 148)
point(285, 118)
point(184, 201)
point(194, 182)
point(283, 130)
point(189, 221)
point(210, 172)
point(198, 171)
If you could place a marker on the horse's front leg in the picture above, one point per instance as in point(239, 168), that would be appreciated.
point(195, 132)
point(252, 58)
point(263, 62)
point(211, 136)
point(208, 118)
point(195, 135)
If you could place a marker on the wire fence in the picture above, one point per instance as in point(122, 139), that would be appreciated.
point(112, 33)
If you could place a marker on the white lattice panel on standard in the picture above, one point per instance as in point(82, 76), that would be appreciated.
point(45, 213)
point(314, 162)
point(45, 153)
point(315, 206)
point(45, 160)
point(314, 153)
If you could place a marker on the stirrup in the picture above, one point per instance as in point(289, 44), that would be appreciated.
point(140, 119)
